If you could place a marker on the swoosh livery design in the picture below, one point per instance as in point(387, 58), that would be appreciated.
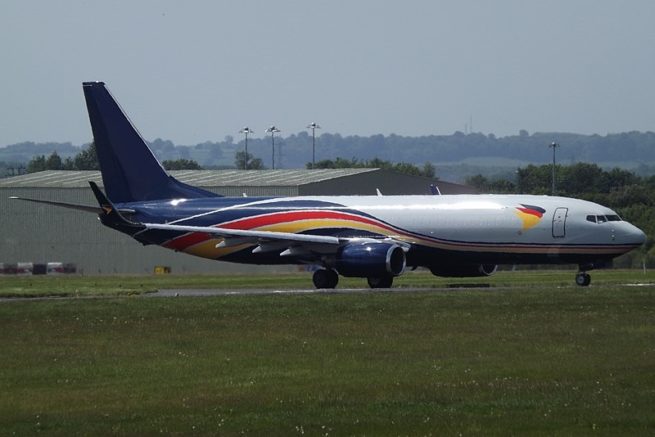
point(530, 215)
point(373, 237)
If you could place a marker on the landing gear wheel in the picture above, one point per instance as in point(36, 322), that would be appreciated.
point(382, 282)
point(324, 278)
point(583, 279)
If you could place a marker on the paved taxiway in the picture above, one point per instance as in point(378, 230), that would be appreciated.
point(199, 292)
point(253, 292)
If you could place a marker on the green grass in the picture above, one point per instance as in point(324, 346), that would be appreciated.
point(115, 285)
point(529, 359)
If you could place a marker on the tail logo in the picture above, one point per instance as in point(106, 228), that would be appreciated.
point(530, 215)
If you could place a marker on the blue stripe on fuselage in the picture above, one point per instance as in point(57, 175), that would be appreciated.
point(213, 211)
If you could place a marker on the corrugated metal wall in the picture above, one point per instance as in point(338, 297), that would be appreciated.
point(388, 182)
point(31, 232)
point(235, 191)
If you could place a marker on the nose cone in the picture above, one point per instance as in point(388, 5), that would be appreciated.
point(634, 235)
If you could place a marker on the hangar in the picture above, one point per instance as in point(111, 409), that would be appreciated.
point(39, 233)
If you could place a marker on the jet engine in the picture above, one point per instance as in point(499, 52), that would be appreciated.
point(370, 259)
point(464, 270)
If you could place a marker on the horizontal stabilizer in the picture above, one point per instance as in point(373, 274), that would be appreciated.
point(84, 208)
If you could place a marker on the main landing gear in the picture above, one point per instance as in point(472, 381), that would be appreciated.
point(328, 278)
point(325, 278)
point(583, 279)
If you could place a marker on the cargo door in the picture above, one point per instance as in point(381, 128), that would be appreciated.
point(559, 222)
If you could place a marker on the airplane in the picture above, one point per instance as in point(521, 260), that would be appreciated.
point(373, 237)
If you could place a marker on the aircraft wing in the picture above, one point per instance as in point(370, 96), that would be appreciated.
point(288, 243)
point(247, 235)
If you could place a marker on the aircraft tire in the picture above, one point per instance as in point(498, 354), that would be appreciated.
point(583, 279)
point(325, 278)
point(381, 282)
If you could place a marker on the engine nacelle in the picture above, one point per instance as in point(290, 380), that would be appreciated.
point(464, 270)
point(370, 259)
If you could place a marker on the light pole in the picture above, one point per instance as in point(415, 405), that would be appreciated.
point(313, 126)
point(272, 130)
point(246, 130)
point(554, 146)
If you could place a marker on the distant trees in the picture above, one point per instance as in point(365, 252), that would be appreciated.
point(629, 148)
point(427, 170)
point(487, 185)
point(181, 164)
point(241, 159)
point(84, 160)
point(38, 163)
point(571, 180)
point(87, 159)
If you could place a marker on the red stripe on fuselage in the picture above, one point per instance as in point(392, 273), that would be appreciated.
point(531, 212)
point(184, 241)
point(293, 216)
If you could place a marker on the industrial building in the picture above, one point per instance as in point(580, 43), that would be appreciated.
point(38, 233)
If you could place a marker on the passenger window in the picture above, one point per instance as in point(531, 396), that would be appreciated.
point(601, 218)
point(591, 218)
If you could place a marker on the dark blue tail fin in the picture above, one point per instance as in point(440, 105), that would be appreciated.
point(130, 172)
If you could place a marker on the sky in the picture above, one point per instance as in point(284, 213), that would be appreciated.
point(198, 71)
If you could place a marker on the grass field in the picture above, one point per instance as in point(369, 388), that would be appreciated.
point(532, 354)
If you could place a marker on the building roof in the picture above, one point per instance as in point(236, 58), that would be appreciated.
point(200, 178)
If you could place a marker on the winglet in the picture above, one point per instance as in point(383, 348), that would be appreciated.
point(105, 204)
point(110, 216)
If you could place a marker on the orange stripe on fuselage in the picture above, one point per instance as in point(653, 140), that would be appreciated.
point(286, 219)
point(282, 217)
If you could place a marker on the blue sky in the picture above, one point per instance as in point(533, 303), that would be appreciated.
point(200, 70)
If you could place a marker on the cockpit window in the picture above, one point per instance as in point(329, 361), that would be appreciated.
point(603, 218)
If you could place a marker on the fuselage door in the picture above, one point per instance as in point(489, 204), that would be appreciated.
point(559, 222)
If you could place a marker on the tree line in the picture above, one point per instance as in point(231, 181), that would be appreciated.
point(426, 170)
point(87, 159)
point(295, 149)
